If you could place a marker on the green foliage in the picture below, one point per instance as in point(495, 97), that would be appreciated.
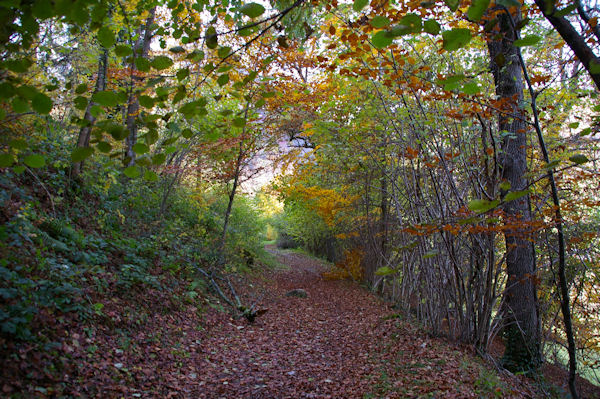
point(477, 8)
point(529, 40)
point(300, 225)
point(381, 40)
point(456, 38)
point(358, 5)
point(252, 10)
point(379, 21)
point(106, 238)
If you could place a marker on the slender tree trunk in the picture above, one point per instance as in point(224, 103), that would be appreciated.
point(522, 333)
point(383, 222)
point(141, 50)
point(236, 179)
point(236, 182)
point(85, 131)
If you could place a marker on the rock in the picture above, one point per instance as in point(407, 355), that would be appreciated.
point(298, 293)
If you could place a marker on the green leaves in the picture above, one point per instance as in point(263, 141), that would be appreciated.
point(132, 172)
point(80, 89)
point(161, 62)
point(431, 26)
point(252, 10)
point(150, 176)
point(18, 66)
point(146, 101)
point(358, 5)
point(106, 98)
point(578, 159)
point(471, 88)
point(222, 80)
point(224, 52)
point(142, 64)
point(529, 40)
point(81, 153)
point(177, 50)
point(456, 38)
point(140, 148)
point(159, 159)
point(381, 40)
point(35, 161)
point(513, 195)
point(452, 4)
point(80, 103)
point(385, 271)
point(19, 144)
point(211, 38)
point(106, 37)
point(41, 103)
point(410, 23)
point(482, 205)
point(193, 108)
point(379, 22)
point(6, 160)
point(182, 74)
point(477, 9)
point(104, 147)
point(42, 9)
point(123, 51)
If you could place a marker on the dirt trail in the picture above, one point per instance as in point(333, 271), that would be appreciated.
point(336, 343)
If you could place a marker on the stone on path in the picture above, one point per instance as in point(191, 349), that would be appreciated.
point(298, 293)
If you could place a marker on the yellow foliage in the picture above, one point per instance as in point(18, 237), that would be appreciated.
point(349, 267)
point(328, 202)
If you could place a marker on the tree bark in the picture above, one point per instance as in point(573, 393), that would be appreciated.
point(236, 179)
point(563, 285)
point(141, 49)
point(574, 40)
point(85, 132)
point(522, 333)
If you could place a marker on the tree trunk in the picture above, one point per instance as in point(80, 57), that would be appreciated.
point(236, 179)
point(522, 333)
point(563, 284)
point(141, 49)
point(383, 223)
point(85, 131)
point(574, 40)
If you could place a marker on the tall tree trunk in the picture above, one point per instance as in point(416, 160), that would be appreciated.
point(383, 223)
point(522, 333)
point(236, 180)
point(141, 50)
point(84, 133)
point(563, 284)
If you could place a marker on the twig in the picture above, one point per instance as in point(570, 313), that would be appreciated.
point(45, 189)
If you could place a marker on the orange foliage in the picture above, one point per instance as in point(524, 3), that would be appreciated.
point(349, 267)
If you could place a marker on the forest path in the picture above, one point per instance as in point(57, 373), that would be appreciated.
point(335, 343)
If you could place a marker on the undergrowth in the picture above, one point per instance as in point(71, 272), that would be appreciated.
point(99, 252)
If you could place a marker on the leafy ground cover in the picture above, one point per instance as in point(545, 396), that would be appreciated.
point(339, 341)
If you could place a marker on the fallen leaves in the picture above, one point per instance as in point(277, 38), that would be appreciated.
point(339, 342)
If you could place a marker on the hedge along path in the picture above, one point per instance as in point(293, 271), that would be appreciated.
point(338, 342)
